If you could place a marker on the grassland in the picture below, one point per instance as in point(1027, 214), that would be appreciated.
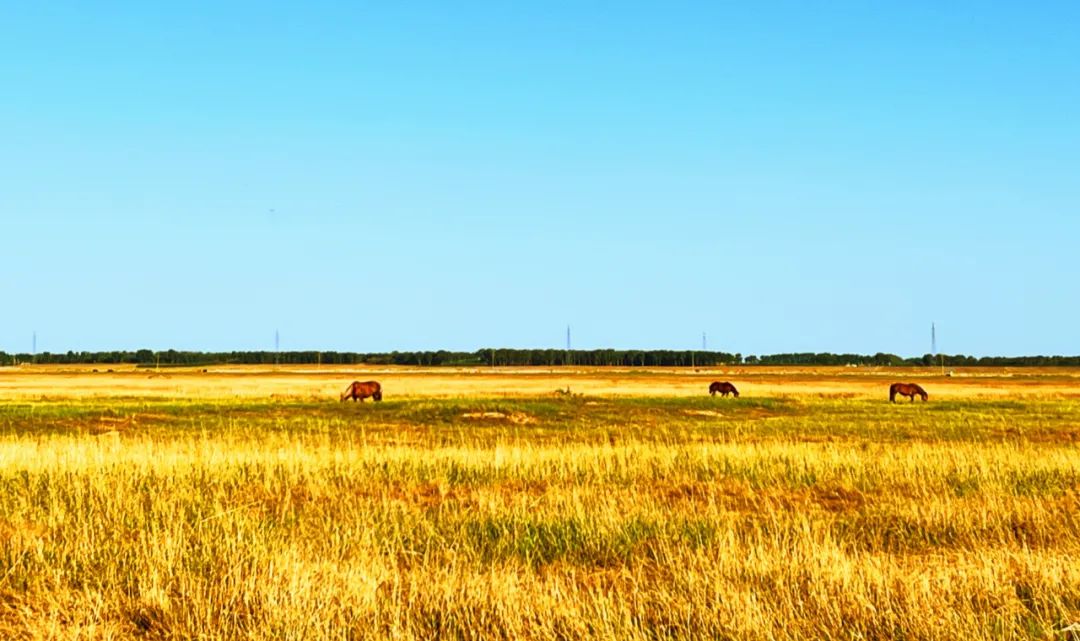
point(480, 505)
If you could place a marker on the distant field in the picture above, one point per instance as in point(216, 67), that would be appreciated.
point(480, 504)
point(311, 383)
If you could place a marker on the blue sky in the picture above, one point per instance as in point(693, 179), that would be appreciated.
point(360, 176)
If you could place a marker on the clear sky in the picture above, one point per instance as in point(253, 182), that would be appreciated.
point(784, 176)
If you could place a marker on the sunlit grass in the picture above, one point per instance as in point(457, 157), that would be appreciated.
point(539, 518)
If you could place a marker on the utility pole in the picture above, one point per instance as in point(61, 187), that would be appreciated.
point(933, 348)
point(568, 358)
point(277, 349)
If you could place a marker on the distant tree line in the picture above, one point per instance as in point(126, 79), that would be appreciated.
point(481, 357)
point(948, 360)
point(522, 357)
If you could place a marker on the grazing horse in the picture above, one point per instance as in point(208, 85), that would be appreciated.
point(906, 389)
point(358, 391)
point(724, 388)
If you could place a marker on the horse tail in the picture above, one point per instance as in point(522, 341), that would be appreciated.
point(892, 393)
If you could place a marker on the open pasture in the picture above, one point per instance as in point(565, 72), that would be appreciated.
point(327, 382)
point(240, 503)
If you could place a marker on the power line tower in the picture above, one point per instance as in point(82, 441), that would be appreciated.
point(568, 345)
point(704, 343)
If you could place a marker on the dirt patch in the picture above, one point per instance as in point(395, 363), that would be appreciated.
point(116, 420)
point(702, 413)
point(759, 413)
point(518, 418)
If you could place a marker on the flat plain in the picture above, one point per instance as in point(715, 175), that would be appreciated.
point(535, 503)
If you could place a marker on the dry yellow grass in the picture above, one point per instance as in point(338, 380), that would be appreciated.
point(480, 505)
point(64, 382)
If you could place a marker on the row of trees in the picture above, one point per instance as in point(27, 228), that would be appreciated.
point(523, 357)
point(481, 357)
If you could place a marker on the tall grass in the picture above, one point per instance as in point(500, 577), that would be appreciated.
point(585, 518)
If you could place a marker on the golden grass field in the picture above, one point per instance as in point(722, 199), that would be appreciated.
point(247, 503)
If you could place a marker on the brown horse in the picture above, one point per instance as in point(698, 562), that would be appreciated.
point(358, 391)
point(906, 389)
point(724, 388)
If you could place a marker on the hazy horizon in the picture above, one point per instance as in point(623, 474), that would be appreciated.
point(487, 347)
